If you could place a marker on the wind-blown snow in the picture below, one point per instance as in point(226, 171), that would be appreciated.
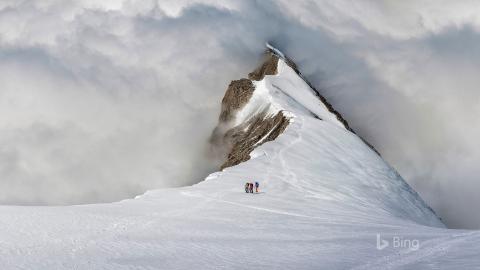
point(85, 81)
point(324, 197)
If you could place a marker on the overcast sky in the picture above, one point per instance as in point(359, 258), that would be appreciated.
point(102, 100)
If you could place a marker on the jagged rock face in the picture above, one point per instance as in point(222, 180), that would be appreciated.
point(245, 137)
point(238, 94)
point(269, 67)
point(236, 143)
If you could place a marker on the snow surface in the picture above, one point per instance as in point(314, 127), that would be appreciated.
point(324, 197)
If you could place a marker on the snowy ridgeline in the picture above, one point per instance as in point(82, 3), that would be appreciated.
point(325, 201)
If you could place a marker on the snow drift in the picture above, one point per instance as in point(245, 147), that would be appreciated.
point(84, 82)
point(326, 199)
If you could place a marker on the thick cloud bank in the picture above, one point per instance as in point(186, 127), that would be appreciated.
point(102, 100)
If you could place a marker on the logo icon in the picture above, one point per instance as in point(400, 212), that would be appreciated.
point(381, 244)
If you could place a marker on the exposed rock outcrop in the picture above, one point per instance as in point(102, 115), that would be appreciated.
point(236, 143)
point(238, 94)
point(269, 67)
point(244, 138)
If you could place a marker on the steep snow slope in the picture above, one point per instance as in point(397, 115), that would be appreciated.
point(325, 196)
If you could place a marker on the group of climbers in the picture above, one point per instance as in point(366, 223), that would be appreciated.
point(249, 187)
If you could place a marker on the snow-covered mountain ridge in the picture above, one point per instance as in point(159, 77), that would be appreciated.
point(279, 89)
point(326, 199)
point(251, 117)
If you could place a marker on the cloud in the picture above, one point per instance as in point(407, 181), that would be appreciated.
point(101, 101)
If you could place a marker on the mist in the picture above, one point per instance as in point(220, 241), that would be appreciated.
point(102, 101)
